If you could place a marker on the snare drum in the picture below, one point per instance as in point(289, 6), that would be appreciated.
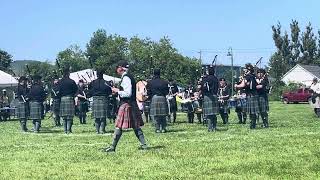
point(232, 103)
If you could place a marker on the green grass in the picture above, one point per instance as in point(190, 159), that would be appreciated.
point(289, 149)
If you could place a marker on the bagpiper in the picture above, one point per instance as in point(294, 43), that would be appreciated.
point(129, 115)
point(252, 99)
point(22, 109)
point(209, 90)
point(173, 91)
point(157, 90)
point(68, 89)
point(37, 96)
point(100, 90)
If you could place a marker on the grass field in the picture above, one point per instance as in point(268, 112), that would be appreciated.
point(289, 149)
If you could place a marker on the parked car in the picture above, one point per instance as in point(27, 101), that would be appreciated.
point(300, 95)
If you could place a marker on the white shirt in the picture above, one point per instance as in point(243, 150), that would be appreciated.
point(315, 88)
point(126, 85)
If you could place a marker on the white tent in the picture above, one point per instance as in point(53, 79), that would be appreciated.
point(89, 75)
point(6, 80)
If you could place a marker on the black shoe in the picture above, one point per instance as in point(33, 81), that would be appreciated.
point(163, 131)
point(110, 149)
point(143, 147)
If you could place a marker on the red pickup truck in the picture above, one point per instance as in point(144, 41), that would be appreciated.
point(300, 95)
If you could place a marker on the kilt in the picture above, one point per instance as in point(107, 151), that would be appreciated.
point(252, 104)
point(22, 110)
point(224, 107)
point(129, 116)
point(146, 106)
point(56, 106)
point(210, 105)
point(99, 107)
point(159, 106)
point(67, 107)
point(35, 110)
point(263, 104)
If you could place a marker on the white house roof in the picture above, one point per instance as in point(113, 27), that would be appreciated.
point(7, 80)
point(89, 75)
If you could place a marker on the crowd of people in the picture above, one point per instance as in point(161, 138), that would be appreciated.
point(209, 98)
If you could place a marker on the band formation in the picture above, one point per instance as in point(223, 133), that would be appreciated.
point(155, 99)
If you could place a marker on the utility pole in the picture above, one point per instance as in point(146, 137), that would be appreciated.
point(200, 58)
point(230, 53)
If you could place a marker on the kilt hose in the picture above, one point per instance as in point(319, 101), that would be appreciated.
point(56, 106)
point(252, 105)
point(210, 105)
point(22, 110)
point(263, 104)
point(67, 107)
point(35, 110)
point(159, 106)
point(99, 107)
point(129, 116)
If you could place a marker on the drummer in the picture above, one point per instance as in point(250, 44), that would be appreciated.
point(241, 104)
point(223, 95)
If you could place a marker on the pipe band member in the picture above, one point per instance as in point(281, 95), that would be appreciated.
point(55, 95)
point(158, 89)
point(263, 90)
point(249, 83)
point(22, 109)
point(68, 89)
point(209, 89)
point(37, 96)
point(100, 90)
point(129, 115)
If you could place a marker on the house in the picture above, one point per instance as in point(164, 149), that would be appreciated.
point(303, 74)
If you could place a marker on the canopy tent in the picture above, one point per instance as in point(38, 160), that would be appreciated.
point(89, 75)
point(6, 80)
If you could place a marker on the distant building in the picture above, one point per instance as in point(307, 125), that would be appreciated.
point(303, 74)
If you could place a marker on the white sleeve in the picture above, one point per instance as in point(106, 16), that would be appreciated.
point(127, 87)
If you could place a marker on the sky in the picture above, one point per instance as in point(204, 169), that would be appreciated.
point(38, 29)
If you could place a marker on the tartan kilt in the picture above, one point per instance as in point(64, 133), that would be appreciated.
point(56, 106)
point(99, 107)
point(35, 110)
point(22, 110)
point(210, 105)
point(159, 106)
point(224, 107)
point(263, 104)
point(252, 104)
point(67, 107)
point(129, 116)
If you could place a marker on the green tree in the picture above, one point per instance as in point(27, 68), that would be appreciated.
point(104, 51)
point(44, 69)
point(308, 46)
point(5, 61)
point(73, 57)
point(295, 42)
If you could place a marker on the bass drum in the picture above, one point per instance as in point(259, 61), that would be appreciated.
point(141, 93)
